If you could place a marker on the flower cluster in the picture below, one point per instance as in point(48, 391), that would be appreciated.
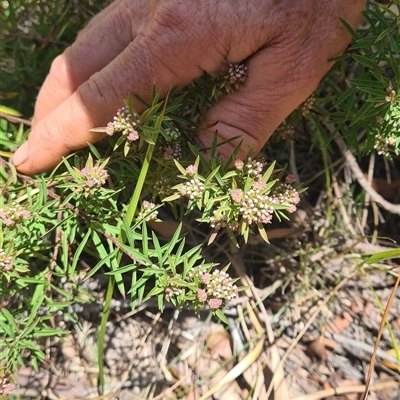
point(382, 144)
point(14, 215)
point(284, 131)
point(237, 73)
point(5, 261)
point(7, 65)
point(5, 386)
point(215, 288)
point(256, 207)
point(171, 135)
point(306, 106)
point(172, 152)
point(92, 177)
point(95, 176)
point(126, 123)
point(191, 170)
point(391, 96)
point(250, 167)
point(218, 220)
point(284, 193)
point(247, 197)
point(161, 186)
point(256, 204)
point(148, 211)
point(172, 290)
point(235, 77)
point(192, 189)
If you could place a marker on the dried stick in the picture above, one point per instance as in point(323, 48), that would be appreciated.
point(355, 169)
point(15, 120)
point(346, 390)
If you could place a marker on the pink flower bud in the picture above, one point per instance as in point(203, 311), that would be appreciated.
point(215, 303)
point(290, 179)
point(202, 295)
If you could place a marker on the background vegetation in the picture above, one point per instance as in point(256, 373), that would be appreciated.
point(95, 218)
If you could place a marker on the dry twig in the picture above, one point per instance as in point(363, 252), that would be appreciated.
point(378, 338)
point(15, 120)
point(323, 394)
point(358, 174)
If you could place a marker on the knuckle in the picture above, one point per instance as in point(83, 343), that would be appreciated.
point(121, 26)
point(172, 14)
point(94, 99)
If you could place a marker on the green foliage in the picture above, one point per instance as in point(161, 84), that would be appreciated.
point(85, 210)
point(92, 214)
point(371, 102)
point(32, 34)
point(361, 96)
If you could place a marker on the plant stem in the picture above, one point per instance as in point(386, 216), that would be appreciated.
point(121, 239)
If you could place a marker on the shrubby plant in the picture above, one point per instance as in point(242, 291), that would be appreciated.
point(102, 199)
point(96, 205)
point(362, 98)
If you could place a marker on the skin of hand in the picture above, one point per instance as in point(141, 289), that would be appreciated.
point(134, 44)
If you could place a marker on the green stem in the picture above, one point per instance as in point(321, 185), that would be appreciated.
point(121, 239)
point(130, 213)
point(102, 333)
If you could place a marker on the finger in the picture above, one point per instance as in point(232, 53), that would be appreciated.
point(280, 77)
point(144, 63)
point(278, 82)
point(106, 36)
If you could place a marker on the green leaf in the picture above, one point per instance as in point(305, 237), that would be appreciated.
point(154, 292)
point(9, 330)
point(98, 130)
point(232, 236)
point(173, 197)
point(79, 250)
point(104, 261)
point(94, 151)
point(9, 111)
point(349, 29)
point(47, 332)
point(128, 231)
point(367, 62)
point(174, 240)
point(157, 248)
point(362, 112)
point(262, 232)
point(123, 270)
point(180, 167)
point(8, 316)
point(268, 173)
point(218, 313)
point(383, 255)
point(212, 174)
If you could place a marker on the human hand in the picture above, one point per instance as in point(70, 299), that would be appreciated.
point(135, 44)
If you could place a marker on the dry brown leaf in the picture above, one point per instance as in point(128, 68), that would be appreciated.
point(339, 324)
point(318, 347)
point(390, 364)
point(68, 347)
point(219, 345)
point(387, 190)
point(237, 370)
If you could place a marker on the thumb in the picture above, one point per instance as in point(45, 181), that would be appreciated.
point(276, 84)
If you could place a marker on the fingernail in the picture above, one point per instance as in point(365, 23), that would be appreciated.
point(21, 155)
